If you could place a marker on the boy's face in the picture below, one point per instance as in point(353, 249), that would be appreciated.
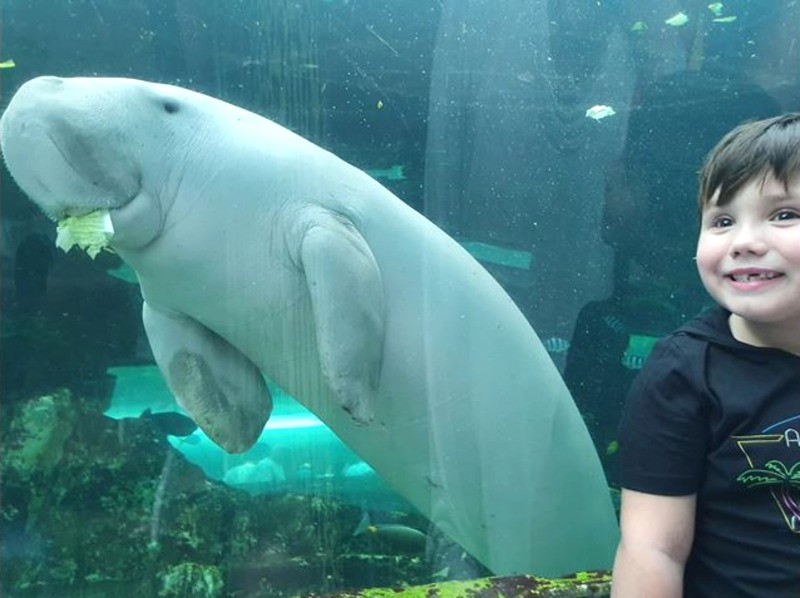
point(748, 253)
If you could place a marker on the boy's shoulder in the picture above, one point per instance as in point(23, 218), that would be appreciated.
point(705, 354)
point(681, 357)
point(711, 328)
point(708, 327)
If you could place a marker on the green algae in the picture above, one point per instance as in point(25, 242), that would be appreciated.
point(580, 585)
point(39, 432)
point(191, 580)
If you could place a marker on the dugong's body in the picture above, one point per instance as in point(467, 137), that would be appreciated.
point(259, 252)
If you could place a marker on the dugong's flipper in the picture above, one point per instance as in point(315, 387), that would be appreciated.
point(344, 283)
point(222, 390)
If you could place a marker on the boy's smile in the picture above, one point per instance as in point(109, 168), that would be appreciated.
point(751, 279)
point(748, 257)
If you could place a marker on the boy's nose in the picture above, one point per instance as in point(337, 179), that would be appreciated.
point(748, 241)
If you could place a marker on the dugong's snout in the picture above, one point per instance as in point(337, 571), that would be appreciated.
point(38, 87)
point(64, 148)
point(30, 100)
point(45, 82)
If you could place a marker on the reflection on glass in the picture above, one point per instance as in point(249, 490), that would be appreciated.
point(424, 424)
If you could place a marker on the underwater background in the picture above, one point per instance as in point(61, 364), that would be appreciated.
point(558, 141)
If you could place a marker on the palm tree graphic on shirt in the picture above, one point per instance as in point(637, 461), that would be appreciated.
point(781, 480)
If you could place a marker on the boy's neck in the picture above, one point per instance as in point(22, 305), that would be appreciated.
point(776, 336)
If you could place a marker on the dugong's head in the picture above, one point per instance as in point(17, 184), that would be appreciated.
point(79, 144)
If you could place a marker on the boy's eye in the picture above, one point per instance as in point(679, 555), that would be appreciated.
point(786, 215)
point(722, 222)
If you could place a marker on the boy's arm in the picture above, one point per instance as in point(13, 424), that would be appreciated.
point(657, 534)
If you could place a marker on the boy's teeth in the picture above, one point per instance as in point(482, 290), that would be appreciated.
point(749, 277)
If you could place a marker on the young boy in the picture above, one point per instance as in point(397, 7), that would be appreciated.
point(710, 435)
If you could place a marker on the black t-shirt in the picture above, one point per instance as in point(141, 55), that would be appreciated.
point(712, 416)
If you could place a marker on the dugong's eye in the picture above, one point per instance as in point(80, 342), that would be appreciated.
point(170, 106)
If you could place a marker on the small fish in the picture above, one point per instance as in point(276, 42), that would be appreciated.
point(729, 19)
point(638, 350)
point(393, 173)
point(639, 27)
point(379, 104)
point(556, 344)
point(612, 448)
point(677, 20)
point(633, 362)
point(600, 112)
point(169, 422)
point(7, 64)
point(397, 536)
point(400, 537)
point(716, 8)
point(124, 273)
point(614, 323)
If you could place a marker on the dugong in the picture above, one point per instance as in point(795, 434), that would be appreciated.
point(261, 255)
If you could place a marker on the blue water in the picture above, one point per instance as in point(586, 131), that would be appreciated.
point(474, 112)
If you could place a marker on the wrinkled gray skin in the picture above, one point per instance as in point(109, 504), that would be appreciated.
point(261, 253)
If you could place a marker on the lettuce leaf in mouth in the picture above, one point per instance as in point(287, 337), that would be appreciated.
point(91, 232)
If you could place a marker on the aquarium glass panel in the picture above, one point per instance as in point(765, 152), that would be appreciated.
point(311, 297)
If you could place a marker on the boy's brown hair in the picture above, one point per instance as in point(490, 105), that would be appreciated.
point(753, 149)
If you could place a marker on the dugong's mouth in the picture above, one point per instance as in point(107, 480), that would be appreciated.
point(71, 168)
point(63, 180)
point(65, 156)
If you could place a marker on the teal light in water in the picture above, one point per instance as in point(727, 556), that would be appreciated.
point(310, 454)
point(293, 422)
